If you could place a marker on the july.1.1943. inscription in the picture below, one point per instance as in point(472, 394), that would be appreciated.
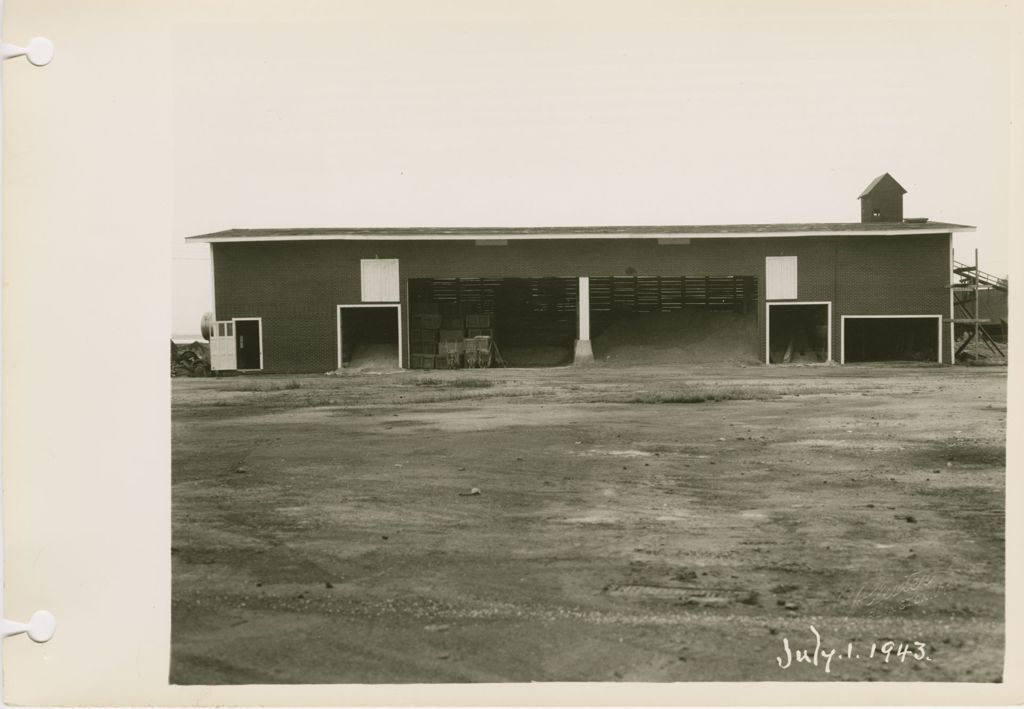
point(886, 650)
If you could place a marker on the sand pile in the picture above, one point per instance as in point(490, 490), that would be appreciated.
point(803, 350)
point(537, 356)
point(698, 336)
point(373, 358)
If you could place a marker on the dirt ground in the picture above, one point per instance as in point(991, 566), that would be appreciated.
point(633, 524)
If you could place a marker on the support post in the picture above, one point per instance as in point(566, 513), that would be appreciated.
point(584, 351)
point(977, 309)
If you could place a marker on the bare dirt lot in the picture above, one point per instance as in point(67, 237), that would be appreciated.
point(633, 524)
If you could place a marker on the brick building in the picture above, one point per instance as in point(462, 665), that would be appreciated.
point(299, 300)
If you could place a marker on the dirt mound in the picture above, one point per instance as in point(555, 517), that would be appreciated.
point(373, 358)
point(699, 336)
point(536, 356)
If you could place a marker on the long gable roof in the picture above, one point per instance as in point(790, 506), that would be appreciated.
point(908, 227)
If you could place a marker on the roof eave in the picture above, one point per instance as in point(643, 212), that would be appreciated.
point(234, 235)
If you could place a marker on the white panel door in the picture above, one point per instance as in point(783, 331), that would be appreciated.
point(222, 346)
point(780, 278)
point(379, 280)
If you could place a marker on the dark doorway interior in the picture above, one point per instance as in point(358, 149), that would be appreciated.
point(798, 333)
point(247, 344)
point(531, 320)
point(369, 337)
point(891, 340)
point(535, 318)
point(674, 319)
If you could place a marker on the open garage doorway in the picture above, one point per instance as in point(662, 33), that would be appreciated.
point(674, 319)
point(370, 337)
point(889, 338)
point(531, 321)
point(799, 333)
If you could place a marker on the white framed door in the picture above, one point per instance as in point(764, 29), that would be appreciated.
point(222, 346)
point(844, 320)
point(365, 306)
point(248, 344)
point(768, 325)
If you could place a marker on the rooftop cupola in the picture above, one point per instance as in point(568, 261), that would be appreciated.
point(882, 201)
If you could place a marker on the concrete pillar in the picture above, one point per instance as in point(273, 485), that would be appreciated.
point(584, 352)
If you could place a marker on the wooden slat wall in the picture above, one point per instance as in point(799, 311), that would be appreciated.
point(667, 293)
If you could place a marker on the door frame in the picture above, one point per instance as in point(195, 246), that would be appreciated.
point(397, 306)
point(768, 325)
point(842, 330)
point(259, 321)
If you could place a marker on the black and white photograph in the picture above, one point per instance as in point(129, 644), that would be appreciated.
point(632, 345)
point(609, 348)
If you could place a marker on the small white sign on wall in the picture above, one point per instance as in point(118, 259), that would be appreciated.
point(780, 278)
point(379, 280)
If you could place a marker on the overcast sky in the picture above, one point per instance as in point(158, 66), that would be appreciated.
point(508, 114)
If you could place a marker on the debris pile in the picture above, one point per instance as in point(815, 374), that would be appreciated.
point(190, 360)
point(373, 357)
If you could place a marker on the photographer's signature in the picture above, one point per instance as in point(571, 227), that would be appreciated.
point(818, 656)
point(914, 589)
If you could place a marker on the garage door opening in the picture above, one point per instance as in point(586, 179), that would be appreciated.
point(892, 339)
point(674, 319)
point(369, 337)
point(532, 321)
point(799, 333)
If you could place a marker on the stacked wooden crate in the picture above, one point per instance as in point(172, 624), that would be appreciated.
point(479, 324)
point(424, 334)
point(450, 335)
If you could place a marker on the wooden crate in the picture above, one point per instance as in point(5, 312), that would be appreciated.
point(478, 321)
point(419, 334)
point(422, 361)
point(478, 344)
point(448, 346)
point(427, 321)
point(452, 335)
point(423, 348)
point(454, 324)
point(479, 332)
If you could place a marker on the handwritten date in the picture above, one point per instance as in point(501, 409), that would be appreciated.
point(818, 656)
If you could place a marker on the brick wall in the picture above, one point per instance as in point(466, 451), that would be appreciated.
point(295, 286)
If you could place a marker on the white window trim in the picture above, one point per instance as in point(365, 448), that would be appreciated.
point(235, 326)
point(397, 306)
point(768, 325)
point(842, 330)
